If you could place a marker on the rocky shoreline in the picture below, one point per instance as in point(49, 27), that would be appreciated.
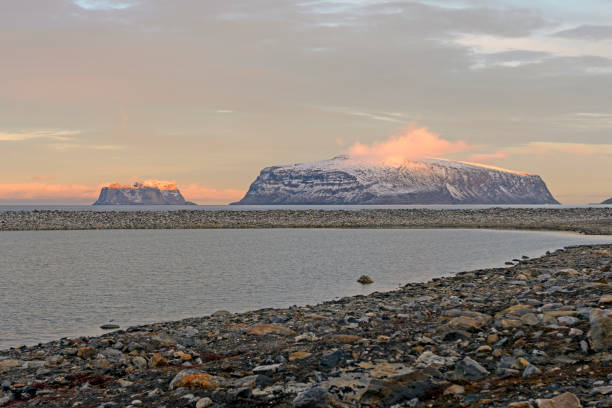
point(583, 220)
point(535, 334)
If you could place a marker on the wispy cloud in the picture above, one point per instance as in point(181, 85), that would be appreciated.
point(541, 148)
point(104, 4)
point(589, 32)
point(52, 134)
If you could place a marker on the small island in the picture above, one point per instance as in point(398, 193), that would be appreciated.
point(142, 193)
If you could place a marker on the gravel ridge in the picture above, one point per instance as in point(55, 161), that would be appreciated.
point(584, 220)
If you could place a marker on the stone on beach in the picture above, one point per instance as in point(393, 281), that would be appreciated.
point(565, 400)
point(601, 329)
point(195, 380)
point(263, 329)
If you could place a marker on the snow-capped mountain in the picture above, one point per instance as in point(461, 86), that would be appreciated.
point(348, 180)
point(140, 194)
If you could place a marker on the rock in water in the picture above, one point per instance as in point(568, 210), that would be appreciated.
point(147, 193)
point(347, 180)
point(365, 280)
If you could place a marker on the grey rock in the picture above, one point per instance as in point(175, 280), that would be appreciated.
point(333, 359)
point(315, 397)
point(470, 369)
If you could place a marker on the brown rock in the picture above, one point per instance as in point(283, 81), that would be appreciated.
point(195, 380)
point(466, 323)
point(566, 400)
point(158, 361)
point(262, 329)
point(509, 323)
point(493, 338)
point(343, 339)
point(520, 404)
point(601, 329)
point(514, 310)
point(454, 390)
point(8, 364)
point(86, 353)
point(299, 355)
point(605, 300)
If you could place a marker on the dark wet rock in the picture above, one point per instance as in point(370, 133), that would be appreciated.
point(333, 359)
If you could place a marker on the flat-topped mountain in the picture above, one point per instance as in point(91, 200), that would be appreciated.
point(347, 180)
point(141, 193)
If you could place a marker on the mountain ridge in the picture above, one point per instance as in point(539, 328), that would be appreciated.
point(349, 180)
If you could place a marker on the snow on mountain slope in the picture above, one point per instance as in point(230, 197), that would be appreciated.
point(346, 180)
point(140, 194)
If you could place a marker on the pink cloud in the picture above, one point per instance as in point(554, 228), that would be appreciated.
point(41, 191)
point(67, 193)
point(204, 195)
point(412, 144)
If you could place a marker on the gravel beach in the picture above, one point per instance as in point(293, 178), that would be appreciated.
point(584, 220)
point(535, 334)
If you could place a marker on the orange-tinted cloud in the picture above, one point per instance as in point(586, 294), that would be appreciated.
point(72, 193)
point(413, 144)
point(42, 191)
point(204, 195)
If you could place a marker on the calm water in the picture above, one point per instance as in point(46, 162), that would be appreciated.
point(66, 283)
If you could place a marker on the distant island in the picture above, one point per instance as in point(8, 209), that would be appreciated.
point(142, 193)
point(608, 201)
point(347, 180)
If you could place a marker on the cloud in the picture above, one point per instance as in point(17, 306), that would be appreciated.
point(206, 195)
point(104, 4)
point(587, 32)
point(580, 149)
point(412, 144)
point(53, 134)
point(192, 192)
point(485, 157)
point(75, 193)
point(51, 192)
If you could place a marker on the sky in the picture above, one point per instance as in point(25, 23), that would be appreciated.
point(207, 93)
